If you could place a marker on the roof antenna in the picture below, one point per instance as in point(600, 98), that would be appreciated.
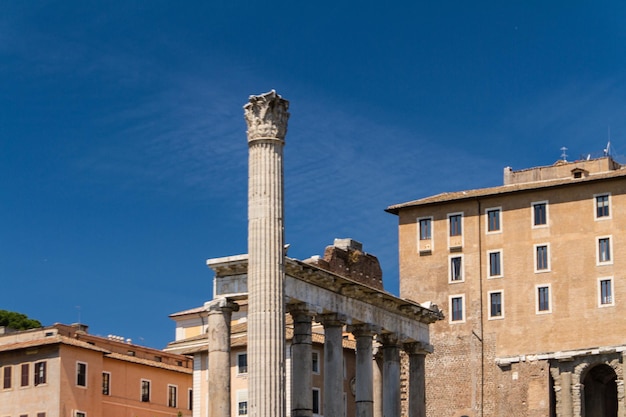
point(563, 154)
point(607, 151)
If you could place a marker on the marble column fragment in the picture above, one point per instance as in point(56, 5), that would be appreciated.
point(333, 363)
point(391, 375)
point(219, 317)
point(364, 369)
point(266, 117)
point(417, 352)
point(378, 380)
point(302, 381)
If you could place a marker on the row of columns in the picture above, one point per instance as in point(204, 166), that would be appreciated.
point(377, 391)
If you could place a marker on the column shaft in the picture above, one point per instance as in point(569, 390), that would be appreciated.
point(301, 365)
point(219, 316)
point(364, 371)
point(417, 352)
point(378, 383)
point(391, 377)
point(333, 365)
point(565, 407)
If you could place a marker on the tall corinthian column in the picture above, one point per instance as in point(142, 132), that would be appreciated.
point(266, 116)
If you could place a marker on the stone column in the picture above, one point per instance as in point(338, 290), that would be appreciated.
point(417, 377)
point(364, 334)
point(391, 375)
point(565, 408)
point(266, 116)
point(378, 380)
point(219, 316)
point(333, 363)
point(301, 375)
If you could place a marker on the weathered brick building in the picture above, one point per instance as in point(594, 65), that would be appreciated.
point(530, 275)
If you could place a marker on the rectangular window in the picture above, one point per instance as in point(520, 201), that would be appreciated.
point(456, 268)
point(242, 363)
point(455, 224)
point(495, 304)
point(145, 391)
point(106, 383)
point(41, 414)
point(493, 220)
point(540, 213)
point(606, 291)
point(543, 299)
point(315, 365)
point(172, 396)
point(25, 372)
point(604, 250)
point(602, 206)
point(7, 371)
point(456, 308)
point(190, 399)
point(242, 403)
point(425, 228)
point(541, 258)
point(40, 373)
point(316, 401)
point(495, 264)
point(80, 414)
point(81, 374)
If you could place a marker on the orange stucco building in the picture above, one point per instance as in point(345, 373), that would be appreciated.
point(62, 371)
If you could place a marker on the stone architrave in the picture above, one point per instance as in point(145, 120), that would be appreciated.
point(266, 116)
point(219, 317)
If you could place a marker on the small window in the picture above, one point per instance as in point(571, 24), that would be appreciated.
point(425, 226)
point(456, 221)
point(145, 391)
point(25, 372)
point(540, 213)
point(456, 308)
point(80, 414)
point(606, 292)
point(190, 399)
point(172, 396)
point(604, 250)
point(81, 374)
point(7, 371)
point(542, 258)
point(40, 373)
point(456, 269)
point(242, 363)
point(493, 220)
point(315, 365)
point(543, 299)
point(602, 206)
point(41, 414)
point(317, 406)
point(242, 403)
point(495, 304)
point(106, 383)
point(495, 264)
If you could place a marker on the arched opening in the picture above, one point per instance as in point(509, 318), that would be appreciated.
point(600, 392)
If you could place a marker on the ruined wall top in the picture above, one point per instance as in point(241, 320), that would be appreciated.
point(266, 116)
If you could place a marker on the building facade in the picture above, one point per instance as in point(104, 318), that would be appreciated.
point(530, 276)
point(62, 371)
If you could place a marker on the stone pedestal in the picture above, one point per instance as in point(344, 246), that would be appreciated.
point(266, 116)
point(219, 316)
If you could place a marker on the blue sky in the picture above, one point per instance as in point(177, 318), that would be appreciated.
point(123, 154)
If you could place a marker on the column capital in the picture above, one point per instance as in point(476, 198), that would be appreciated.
point(417, 348)
point(332, 319)
point(300, 308)
point(389, 339)
point(266, 116)
point(220, 305)
point(363, 329)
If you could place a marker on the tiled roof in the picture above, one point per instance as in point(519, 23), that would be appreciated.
point(50, 340)
point(147, 362)
point(504, 189)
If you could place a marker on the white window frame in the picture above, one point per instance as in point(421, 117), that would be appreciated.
point(450, 257)
point(141, 390)
point(499, 230)
point(536, 295)
point(489, 252)
point(238, 368)
point(86, 374)
point(535, 259)
point(109, 374)
point(501, 316)
point(595, 207)
point(532, 214)
point(463, 310)
point(419, 227)
point(242, 397)
point(319, 400)
point(78, 413)
point(315, 352)
point(460, 214)
point(612, 281)
point(175, 396)
point(611, 253)
point(426, 246)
